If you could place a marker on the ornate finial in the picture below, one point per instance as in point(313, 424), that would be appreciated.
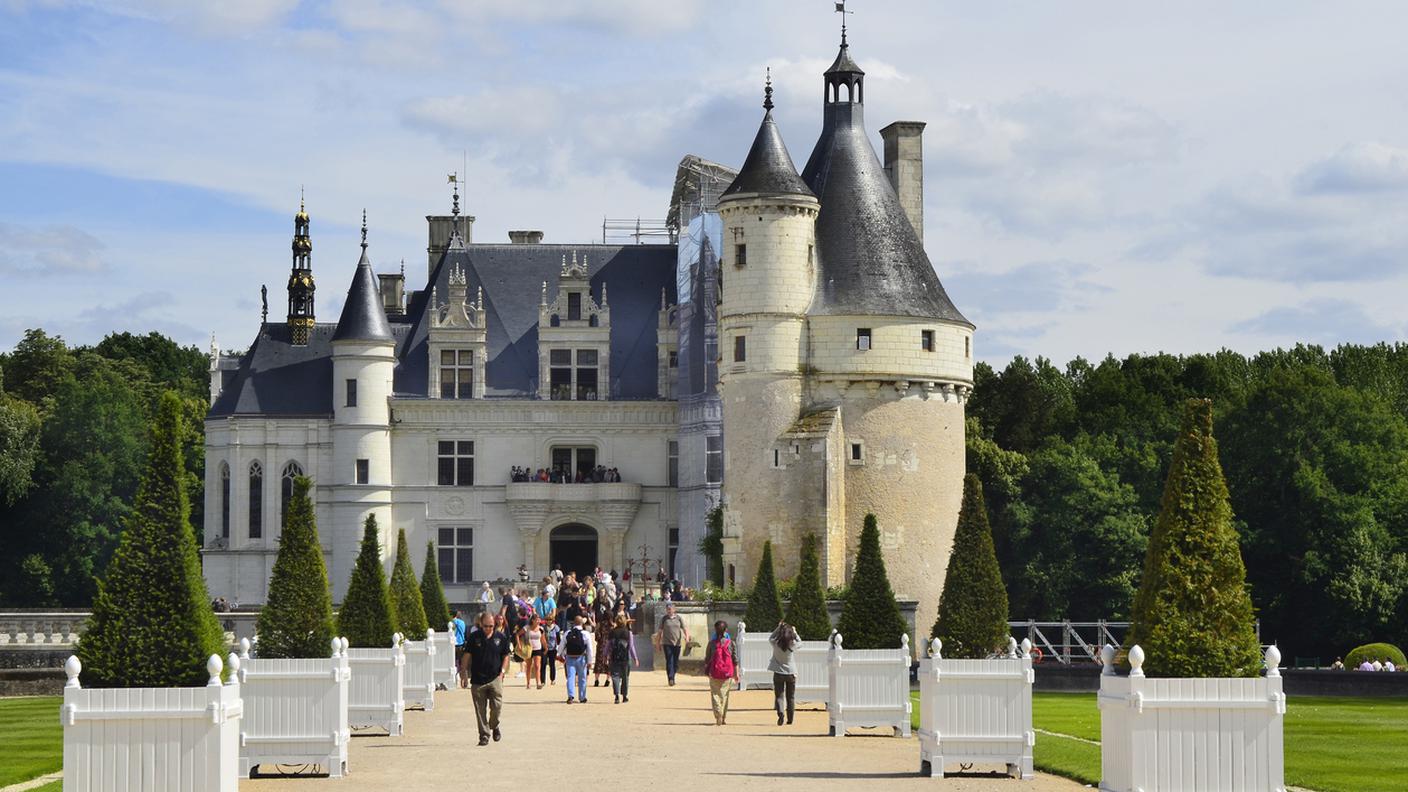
point(300, 198)
point(1107, 660)
point(936, 647)
point(841, 9)
point(479, 297)
point(1136, 661)
point(1273, 661)
point(73, 667)
point(564, 265)
point(603, 295)
point(232, 661)
point(662, 300)
point(336, 647)
point(214, 666)
point(214, 348)
point(264, 302)
point(544, 301)
point(364, 229)
point(455, 180)
point(244, 647)
point(403, 267)
point(767, 91)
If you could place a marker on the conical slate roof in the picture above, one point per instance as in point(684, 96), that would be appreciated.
point(363, 318)
point(870, 260)
point(768, 168)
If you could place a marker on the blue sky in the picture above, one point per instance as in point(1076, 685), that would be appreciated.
point(1100, 177)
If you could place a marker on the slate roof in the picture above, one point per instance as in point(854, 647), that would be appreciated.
point(363, 318)
point(277, 379)
point(869, 259)
point(768, 167)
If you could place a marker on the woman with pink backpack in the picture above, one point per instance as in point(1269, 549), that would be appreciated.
point(721, 664)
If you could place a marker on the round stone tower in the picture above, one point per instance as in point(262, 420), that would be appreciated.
point(363, 359)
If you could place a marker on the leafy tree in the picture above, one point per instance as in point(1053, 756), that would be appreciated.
point(972, 618)
point(296, 620)
point(806, 610)
point(432, 591)
point(367, 619)
point(871, 617)
point(405, 593)
point(1192, 614)
point(19, 446)
point(37, 579)
point(764, 605)
point(168, 364)
point(712, 545)
point(152, 625)
point(37, 365)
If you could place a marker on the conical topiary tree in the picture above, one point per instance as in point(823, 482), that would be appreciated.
point(1192, 614)
point(764, 605)
point(806, 611)
point(871, 617)
point(405, 593)
point(972, 618)
point(296, 620)
point(152, 625)
point(432, 592)
point(367, 619)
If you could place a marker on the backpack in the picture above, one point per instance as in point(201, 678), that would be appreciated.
point(620, 650)
point(576, 643)
point(721, 664)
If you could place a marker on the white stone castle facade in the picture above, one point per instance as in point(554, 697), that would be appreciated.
point(842, 369)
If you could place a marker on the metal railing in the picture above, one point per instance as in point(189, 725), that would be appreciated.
point(1069, 642)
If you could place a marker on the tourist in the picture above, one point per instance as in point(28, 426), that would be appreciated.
point(576, 650)
point(1378, 666)
point(623, 655)
point(548, 671)
point(1388, 665)
point(557, 574)
point(721, 664)
point(1338, 665)
point(532, 647)
point(601, 618)
point(1367, 665)
point(544, 606)
point(486, 594)
point(488, 652)
point(458, 624)
point(784, 674)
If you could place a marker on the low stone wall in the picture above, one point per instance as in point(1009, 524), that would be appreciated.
point(31, 681)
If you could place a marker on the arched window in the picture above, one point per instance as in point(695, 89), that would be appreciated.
point(256, 500)
point(224, 501)
point(291, 471)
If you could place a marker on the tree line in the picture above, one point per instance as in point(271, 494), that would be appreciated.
point(1314, 446)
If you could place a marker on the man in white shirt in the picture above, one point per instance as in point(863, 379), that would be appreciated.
point(1389, 666)
point(578, 652)
point(1377, 665)
point(486, 594)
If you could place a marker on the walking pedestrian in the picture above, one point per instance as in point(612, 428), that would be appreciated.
point(460, 669)
point(577, 652)
point(536, 641)
point(623, 655)
point(721, 664)
point(601, 618)
point(784, 674)
point(672, 637)
point(488, 652)
point(552, 634)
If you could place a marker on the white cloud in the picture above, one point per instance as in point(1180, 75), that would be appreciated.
point(48, 250)
point(1358, 168)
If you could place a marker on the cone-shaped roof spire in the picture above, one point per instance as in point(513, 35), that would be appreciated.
point(768, 168)
point(363, 318)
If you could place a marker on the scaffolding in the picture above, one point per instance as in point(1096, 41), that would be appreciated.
point(1077, 642)
point(637, 231)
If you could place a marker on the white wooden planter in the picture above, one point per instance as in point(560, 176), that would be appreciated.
point(152, 739)
point(375, 699)
point(977, 711)
point(868, 688)
point(1212, 735)
point(418, 686)
point(445, 658)
point(810, 658)
point(295, 711)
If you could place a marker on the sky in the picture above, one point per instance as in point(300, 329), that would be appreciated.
point(1100, 177)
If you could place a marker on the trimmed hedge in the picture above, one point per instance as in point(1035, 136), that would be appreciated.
point(432, 591)
point(806, 608)
point(367, 619)
point(1375, 651)
point(871, 617)
point(152, 625)
point(1192, 614)
point(764, 605)
point(405, 593)
point(296, 620)
point(972, 620)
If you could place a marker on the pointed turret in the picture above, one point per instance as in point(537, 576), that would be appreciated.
point(363, 318)
point(870, 258)
point(768, 168)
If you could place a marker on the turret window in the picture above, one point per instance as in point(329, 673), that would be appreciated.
point(863, 339)
point(713, 459)
point(456, 373)
point(256, 500)
point(740, 255)
point(672, 462)
point(967, 347)
point(351, 393)
point(926, 340)
point(362, 472)
point(455, 463)
point(224, 501)
point(740, 349)
point(857, 454)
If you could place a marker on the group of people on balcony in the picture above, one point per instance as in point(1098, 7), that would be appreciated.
point(558, 475)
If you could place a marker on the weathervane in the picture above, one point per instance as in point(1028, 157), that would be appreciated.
point(841, 9)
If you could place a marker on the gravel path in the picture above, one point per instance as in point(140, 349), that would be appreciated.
point(664, 738)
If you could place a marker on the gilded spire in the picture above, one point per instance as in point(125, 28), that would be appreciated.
point(300, 280)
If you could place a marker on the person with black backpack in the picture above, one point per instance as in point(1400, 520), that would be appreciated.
point(577, 652)
point(623, 655)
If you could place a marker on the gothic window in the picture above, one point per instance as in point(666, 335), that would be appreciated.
point(256, 500)
point(672, 462)
point(454, 554)
point(863, 338)
point(291, 471)
point(456, 373)
point(224, 501)
point(455, 463)
point(714, 459)
point(926, 340)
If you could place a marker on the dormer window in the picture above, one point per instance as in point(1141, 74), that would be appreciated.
point(456, 374)
point(863, 339)
point(574, 306)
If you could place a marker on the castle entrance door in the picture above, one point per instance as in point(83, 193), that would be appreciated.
point(574, 546)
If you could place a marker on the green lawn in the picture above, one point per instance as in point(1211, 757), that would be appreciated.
point(1332, 744)
point(33, 739)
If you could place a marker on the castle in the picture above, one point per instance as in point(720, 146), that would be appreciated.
point(789, 355)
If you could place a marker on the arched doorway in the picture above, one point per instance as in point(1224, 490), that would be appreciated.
point(574, 546)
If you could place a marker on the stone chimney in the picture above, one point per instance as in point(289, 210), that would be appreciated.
point(525, 237)
point(440, 228)
point(393, 293)
point(904, 165)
